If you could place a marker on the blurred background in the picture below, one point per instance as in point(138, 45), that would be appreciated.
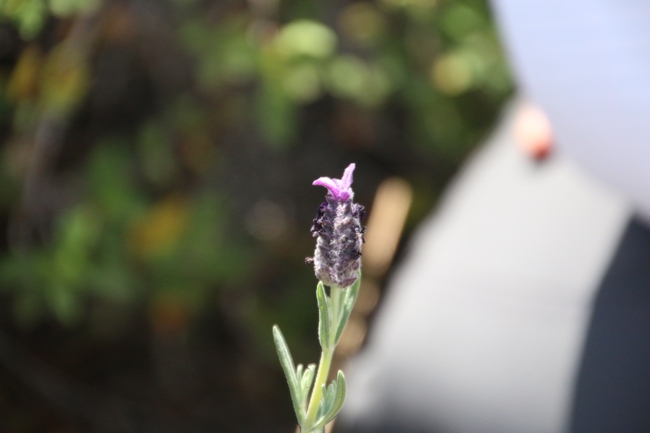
point(156, 160)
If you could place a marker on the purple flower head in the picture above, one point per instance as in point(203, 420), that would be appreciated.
point(337, 225)
point(339, 188)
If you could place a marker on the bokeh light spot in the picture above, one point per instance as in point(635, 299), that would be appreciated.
point(306, 38)
point(452, 74)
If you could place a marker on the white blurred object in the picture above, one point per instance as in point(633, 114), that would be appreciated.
point(587, 64)
point(484, 323)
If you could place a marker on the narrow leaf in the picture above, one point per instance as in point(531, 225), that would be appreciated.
point(299, 373)
point(339, 398)
point(328, 399)
point(305, 383)
point(324, 315)
point(289, 371)
point(348, 304)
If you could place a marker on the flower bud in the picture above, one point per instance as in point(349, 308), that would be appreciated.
point(337, 225)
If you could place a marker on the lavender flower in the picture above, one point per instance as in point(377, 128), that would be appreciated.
point(337, 261)
point(337, 225)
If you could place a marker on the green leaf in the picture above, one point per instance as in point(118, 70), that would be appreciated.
point(337, 390)
point(289, 371)
point(322, 407)
point(306, 382)
point(324, 316)
point(299, 369)
point(327, 403)
point(348, 304)
point(339, 397)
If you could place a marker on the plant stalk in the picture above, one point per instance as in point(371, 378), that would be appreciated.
point(317, 391)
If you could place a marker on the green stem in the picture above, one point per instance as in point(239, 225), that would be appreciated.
point(336, 298)
point(317, 391)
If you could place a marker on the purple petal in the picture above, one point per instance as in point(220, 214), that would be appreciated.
point(339, 188)
point(346, 180)
point(330, 184)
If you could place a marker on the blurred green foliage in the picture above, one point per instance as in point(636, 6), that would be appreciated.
point(118, 184)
